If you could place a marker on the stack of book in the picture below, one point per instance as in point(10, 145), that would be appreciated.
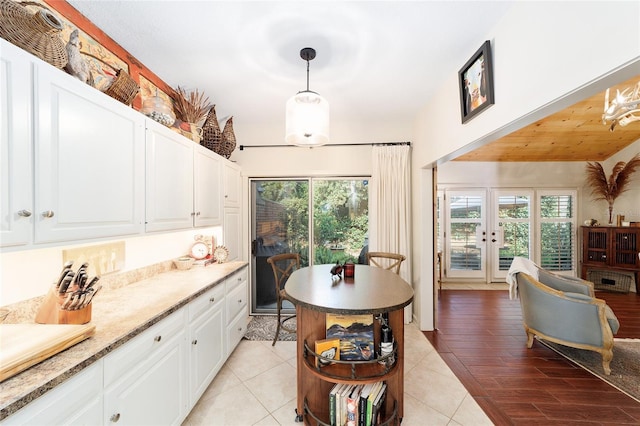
point(357, 405)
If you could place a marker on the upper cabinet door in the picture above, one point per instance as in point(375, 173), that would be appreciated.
point(232, 184)
point(89, 161)
point(169, 179)
point(206, 189)
point(16, 171)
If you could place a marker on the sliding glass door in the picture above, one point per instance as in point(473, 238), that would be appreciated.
point(336, 230)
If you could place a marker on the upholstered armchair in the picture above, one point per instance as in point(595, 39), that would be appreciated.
point(564, 310)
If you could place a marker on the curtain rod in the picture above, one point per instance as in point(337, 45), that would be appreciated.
point(242, 147)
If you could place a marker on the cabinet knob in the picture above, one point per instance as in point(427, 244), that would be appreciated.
point(157, 338)
point(48, 213)
point(239, 300)
point(195, 342)
point(239, 328)
point(193, 213)
point(114, 418)
point(212, 299)
point(197, 213)
point(24, 213)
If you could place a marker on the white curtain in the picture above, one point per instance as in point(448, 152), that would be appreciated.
point(390, 206)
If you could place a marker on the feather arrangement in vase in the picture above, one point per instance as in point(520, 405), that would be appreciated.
point(608, 189)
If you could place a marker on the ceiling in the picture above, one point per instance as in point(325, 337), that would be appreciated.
point(376, 60)
point(575, 133)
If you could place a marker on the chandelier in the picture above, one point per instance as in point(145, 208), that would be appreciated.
point(307, 119)
point(622, 108)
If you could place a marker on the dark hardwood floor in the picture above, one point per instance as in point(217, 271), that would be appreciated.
point(481, 337)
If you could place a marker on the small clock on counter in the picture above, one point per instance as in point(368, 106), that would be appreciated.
point(199, 250)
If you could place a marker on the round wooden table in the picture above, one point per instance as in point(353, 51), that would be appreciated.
point(373, 291)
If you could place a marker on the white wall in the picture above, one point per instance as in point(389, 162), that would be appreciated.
point(542, 52)
point(627, 204)
point(29, 273)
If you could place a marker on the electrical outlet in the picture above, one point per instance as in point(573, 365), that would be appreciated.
point(102, 259)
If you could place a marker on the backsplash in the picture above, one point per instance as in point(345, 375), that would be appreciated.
point(25, 311)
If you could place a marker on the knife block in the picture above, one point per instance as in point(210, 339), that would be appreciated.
point(51, 312)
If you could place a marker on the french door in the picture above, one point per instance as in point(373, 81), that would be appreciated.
point(511, 230)
point(485, 229)
point(465, 233)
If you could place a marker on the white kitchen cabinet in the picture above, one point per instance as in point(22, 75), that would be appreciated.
point(78, 401)
point(236, 308)
point(232, 184)
point(207, 178)
point(146, 378)
point(183, 182)
point(89, 161)
point(206, 340)
point(16, 130)
point(232, 233)
point(169, 196)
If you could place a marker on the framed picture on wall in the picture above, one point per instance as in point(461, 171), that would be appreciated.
point(476, 83)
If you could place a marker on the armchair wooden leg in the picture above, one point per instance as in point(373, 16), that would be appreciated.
point(529, 339)
point(607, 356)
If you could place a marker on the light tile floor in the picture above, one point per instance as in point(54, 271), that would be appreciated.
point(257, 386)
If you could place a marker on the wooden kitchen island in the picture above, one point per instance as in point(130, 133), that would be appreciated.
point(372, 291)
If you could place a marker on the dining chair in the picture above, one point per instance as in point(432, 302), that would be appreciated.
point(283, 265)
point(390, 261)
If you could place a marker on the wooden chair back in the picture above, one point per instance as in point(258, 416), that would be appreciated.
point(283, 266)
point(390, 261)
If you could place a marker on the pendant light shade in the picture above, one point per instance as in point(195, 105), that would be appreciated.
point(307, 118)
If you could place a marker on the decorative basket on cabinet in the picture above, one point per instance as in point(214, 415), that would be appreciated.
point(37, 33)
point(123, 88)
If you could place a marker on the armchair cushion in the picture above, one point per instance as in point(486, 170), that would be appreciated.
point(565, 283)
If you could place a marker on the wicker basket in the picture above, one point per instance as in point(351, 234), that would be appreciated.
point(123, 88)
point(37, 33)
point(228, 139)
point(211, 133)
point(618, 282)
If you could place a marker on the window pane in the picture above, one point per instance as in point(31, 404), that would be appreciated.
point(556, 206)
point(282, 218)
point(556, 246)
point(464, 253)
point(516, 243)
point(513, 207)
point(340, 220)
point(557, 229)
point(465, 207)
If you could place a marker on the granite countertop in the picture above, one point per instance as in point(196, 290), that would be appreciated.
point(119, 315)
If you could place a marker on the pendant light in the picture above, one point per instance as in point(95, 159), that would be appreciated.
point(307, 120)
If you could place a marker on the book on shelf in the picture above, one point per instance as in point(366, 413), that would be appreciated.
point(353, 400)
point(334, 404)
point(327, 348)
point(344, 393)
point(355, 333)
point(362, 404)
point(377, 411)
point(370, 398)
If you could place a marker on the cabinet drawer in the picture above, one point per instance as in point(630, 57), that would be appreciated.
point(236, 279)
point(235, 331)
point(76, 401)
point(236, 301)
point(209, 299)
point(143, 346)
